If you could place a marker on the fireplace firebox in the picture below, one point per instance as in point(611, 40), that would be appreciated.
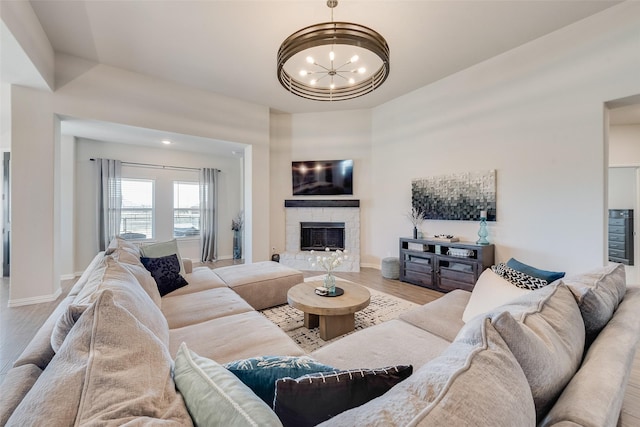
point(320, 235)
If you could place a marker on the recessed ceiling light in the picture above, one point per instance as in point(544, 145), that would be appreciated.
point(166, 142)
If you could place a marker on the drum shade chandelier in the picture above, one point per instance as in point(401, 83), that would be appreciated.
point(333, 61)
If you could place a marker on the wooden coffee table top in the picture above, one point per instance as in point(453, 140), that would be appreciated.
point(303, 297)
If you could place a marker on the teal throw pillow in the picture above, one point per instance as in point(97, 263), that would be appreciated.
point(260, 373)
point(549, 276)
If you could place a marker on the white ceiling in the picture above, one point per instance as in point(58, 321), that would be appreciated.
point(230, 47)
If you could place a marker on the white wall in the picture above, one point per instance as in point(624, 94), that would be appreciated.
point(534, 114)
point(320, 136)
point(229, 192)
point(624, 145)
point(622, 188)
point(66, 168)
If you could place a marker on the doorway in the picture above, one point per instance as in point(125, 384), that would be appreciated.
point(623, 130)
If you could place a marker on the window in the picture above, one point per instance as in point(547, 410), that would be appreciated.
point(186, 209)
point(137, 209)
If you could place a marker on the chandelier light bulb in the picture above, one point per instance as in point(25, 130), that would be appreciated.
point(313, 81)
point(332, 55)
point(303, 73)
point(352, 81)
point(354, 58)
point(332, 85)
point(362, 70)
point(310, 59)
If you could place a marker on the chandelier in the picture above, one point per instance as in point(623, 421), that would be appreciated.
point(333, 61)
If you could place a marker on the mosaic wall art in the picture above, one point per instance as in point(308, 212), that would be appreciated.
point(458, 196)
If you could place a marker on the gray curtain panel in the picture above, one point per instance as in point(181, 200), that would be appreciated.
point(209, 213)
point(109, 200)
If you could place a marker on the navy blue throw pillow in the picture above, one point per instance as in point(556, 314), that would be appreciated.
point(312, 399)
point(260, 373)
point(166, 272)
point(549, 276)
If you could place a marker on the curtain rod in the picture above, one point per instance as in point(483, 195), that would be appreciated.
point(149, 165)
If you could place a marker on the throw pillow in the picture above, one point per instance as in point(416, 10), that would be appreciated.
point(545, 332)
point(157, 250)
point(260, 373)
point(598, 294)
point(549, 276)
point(476, 381)
point(102, 375)
point(215, 397)
point(518, 278)
point(64, 324)
point(490, 292)
point(314, 398)
point(166, 272)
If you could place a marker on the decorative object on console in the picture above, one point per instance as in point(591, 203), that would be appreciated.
point(335, 61)
point(329, 263)
point(483, 233)
point(446, 238)
point(415, 216)
point(236, 225)
point(455, 196)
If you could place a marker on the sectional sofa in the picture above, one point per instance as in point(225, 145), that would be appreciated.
point(560, 355)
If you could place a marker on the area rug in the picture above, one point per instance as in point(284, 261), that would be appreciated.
point(383, 307)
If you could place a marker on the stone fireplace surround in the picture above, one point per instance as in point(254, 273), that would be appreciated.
point(297, 211)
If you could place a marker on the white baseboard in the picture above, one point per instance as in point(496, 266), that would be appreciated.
point(68, 276)
point(34, 300)
point(376, 266)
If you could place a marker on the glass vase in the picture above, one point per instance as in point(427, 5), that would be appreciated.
point(329, 283)
point(237, 244)
point(482, 233)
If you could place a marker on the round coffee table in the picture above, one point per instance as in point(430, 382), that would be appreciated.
point(334, 315)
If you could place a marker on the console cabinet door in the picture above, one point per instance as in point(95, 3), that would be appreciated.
point(418, 269)
point(456, 274)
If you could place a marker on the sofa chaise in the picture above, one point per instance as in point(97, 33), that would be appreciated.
point(560, 355)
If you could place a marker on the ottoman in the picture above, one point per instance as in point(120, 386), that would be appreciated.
point(262, 284)
point(390, 268)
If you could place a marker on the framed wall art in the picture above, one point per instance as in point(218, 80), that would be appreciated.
point(459, 196)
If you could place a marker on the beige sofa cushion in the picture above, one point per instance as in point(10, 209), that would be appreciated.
point(127, 292)
point(15, 386)
point(102, 375)
point(200, 279)
point(262, 284)
point(476, 378)
point(442, 317)
point(184, 310)
point(545, 332)
point(598, 294)
point(238, 336)
point(385, 344)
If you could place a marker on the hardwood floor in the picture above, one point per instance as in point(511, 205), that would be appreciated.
point(18, 325)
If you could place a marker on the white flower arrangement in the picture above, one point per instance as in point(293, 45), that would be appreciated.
point(330, 261)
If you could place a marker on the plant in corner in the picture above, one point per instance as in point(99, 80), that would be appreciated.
point(416, 216)
point(329, 262)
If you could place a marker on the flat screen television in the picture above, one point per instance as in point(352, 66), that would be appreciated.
point(322, 177)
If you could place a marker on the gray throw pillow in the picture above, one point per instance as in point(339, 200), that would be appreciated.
point(545, 333)
point(598, 294)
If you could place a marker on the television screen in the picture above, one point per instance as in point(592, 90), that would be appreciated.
point(322, 177)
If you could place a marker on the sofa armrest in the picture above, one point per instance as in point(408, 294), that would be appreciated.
point(188, 265)
point(595, 394)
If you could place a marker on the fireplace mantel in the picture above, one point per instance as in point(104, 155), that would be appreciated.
point(306, 203)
